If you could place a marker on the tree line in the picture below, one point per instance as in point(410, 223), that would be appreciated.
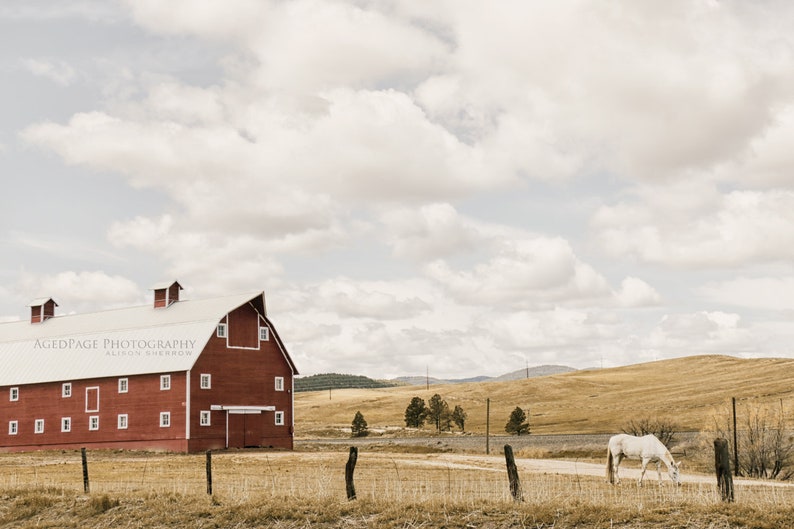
point(438, 413)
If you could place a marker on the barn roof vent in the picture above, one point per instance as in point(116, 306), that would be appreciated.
point(166, 293)
point(42, 309)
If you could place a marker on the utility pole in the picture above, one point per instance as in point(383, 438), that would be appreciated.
point(488, 426)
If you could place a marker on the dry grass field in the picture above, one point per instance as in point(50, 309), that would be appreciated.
point(307, 490)
point(407, 486)
point(688, 391)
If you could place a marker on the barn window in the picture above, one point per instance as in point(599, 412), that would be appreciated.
point(66, 389)
point(165, 382)
point(279, 383)
point(279, 418)
point(13, 427)
point(221, 330)
point(66, 424)
point(122, 421)
point(264, 334)
point(38, 426)
point(165, 419)
point(123, 385)
point(93, 422)
point(206, 381)
point(13, 395)
point(92, 399)
point(204, 418)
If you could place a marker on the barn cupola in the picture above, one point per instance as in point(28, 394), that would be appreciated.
point(42, 309)
point(166, 293)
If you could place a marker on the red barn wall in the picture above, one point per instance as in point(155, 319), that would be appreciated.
point(243, 374)
point(142, 404)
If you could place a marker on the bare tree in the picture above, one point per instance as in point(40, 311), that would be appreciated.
point(664, 429)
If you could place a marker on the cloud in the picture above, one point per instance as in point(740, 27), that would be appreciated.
point(75, 291)
point(635, 292)
point(699, 229)
point(58, 72)
point(764, 293)
point(532, 272)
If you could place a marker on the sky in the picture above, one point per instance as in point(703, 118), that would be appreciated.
point(453, 187)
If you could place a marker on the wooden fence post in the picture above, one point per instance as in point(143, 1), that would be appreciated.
point(209, 472)
point(722, 465)
point(349, 469)
point(512, 474)
point(86, 486)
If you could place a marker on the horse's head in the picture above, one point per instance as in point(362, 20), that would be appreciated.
point(673, 470)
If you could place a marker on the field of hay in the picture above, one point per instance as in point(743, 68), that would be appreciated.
point(307, 489)
point(689, 391)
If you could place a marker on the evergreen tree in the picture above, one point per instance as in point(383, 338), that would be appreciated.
point(459, 417)
point(359, 426)
point(518, 422)
point(415, 413)
point(438, 411)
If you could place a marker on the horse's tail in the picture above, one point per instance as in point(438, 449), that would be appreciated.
point(610, 467)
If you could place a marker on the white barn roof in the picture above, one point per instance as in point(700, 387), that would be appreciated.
point(131, 341)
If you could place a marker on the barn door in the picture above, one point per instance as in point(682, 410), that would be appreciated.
point(236, 430)
point(254, 429)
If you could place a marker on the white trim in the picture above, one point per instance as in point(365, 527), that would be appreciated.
point(167, 422)
point(279, 418)
point(209, 381)
point(165, 382)
point(13, 427)
point(222, 331)
point(126, 382)
point(279, 384)
point(13, 394)
point(266, 334)
point(97, 399)
point(66, 424)
point(126, 419)
point(241, 409)
point(187, 405)
point(66, 390)
point(202, 415)
point(38, 426)
point(93, 423)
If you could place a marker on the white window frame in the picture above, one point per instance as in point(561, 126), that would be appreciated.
point(122, 421)
point(205, 377)
point(13, 394)
point(264, 334)
point(204, 418)
point(87, 390)
point(124, 385)
point(279, 419)
point(38, 426)
point(221, 330)
point(279, 384)
point(66, 390)
point(93, 423)
point(165, 419)
point(13, 427)
point(165, 382)
point(66, 424)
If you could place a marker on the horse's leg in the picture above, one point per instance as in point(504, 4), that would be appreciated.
point(659, 471)
point(618, 459)
point(642, 474)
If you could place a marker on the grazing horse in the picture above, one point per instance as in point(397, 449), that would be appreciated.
point(647, 448)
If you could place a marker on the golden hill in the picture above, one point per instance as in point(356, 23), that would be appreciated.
point(687, 391)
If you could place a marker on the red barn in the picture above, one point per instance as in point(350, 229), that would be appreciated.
point(183, 376)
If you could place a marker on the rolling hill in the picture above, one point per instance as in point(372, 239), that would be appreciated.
point(688, 391)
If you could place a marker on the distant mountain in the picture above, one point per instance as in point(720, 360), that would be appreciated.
point(336, 381)
point(539, 371)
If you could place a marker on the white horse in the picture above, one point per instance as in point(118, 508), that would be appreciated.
point(647, 448)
